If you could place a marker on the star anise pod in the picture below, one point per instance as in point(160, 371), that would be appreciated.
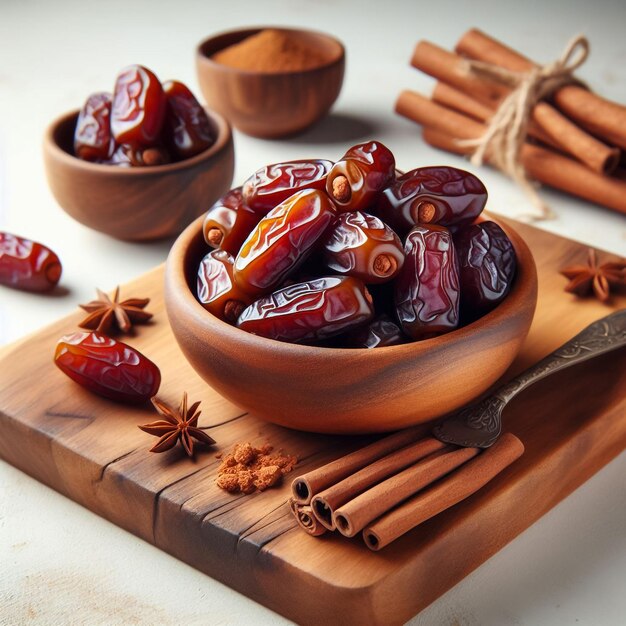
point(177, 424)
point(599, 279)
point(105, 312)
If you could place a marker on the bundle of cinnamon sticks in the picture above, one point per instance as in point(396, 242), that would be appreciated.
point(575, 142)
point(387, 488)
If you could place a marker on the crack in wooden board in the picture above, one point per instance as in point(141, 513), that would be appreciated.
point(90, 449)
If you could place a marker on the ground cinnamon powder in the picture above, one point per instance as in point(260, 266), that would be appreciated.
point(247, 468)
point(271, 51)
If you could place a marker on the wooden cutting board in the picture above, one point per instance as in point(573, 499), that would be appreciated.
point(90, 450)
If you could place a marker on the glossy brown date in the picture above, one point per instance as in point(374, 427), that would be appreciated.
point(427, 288)
point(380, 332)
point(487, 264)
point(215, 288)
point(361, 245)
point(107, 367)
point(27, 265)
point(437, 195)
point(138, 108)
point(355, 181)
point(229, 221)
point(187, 130)
point(310, 311)
point(282, 240)
point(273, 184)
point(92, 137)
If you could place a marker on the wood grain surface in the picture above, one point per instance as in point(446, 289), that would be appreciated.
point(90, 450)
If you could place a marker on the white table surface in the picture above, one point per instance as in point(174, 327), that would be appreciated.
point(59, 563)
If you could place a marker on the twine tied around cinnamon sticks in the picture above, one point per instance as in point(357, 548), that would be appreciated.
point(508, 128)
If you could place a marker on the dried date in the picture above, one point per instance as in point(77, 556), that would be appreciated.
point(355, 181)
point(273, 184)
point(487, 265)
point(361, 245)
point(309, 311)
point(229, 221)
point(282, 241)
point(107, 367)
point(432, 195)
point(427, 288)
point(215, 288)
point(92, 137)
point(380, 332)
point(138, 108)
point(187, 130)
point(27, 265)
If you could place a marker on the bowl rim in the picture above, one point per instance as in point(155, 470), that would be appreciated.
point(224, 135)
point(523, 288)
point(253, 30)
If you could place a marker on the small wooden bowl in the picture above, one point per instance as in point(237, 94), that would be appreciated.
point(271, 105)
point(329, 390)
point(136, 203)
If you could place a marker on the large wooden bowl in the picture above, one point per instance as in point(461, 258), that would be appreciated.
point(137, 203)
point(330, 390)
point(274, 104)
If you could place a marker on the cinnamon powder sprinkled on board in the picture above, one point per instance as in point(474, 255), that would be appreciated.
point(247, 468)
point(271, 51)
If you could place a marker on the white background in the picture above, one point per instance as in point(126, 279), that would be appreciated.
point(61, 564)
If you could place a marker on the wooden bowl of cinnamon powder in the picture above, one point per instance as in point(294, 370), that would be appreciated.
point(271, 82)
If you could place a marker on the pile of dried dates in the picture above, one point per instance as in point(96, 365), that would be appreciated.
point(352, 254)
point(143, 123)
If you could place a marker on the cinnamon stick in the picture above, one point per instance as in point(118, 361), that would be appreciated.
point(454, 99)
point(549, 125)
point(597, 114)
point(446, 493)
point(353, 516)
point(442, 140)
point(569, 137)
point(306, 486)
point(325, 502)
point(445, 127)
point(452, 69)
point(305, 518)
point(478, 45)
point(420, 109)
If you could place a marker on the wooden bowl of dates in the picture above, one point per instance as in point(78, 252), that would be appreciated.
point(136, 203)
point(338, 390)
point(280, 99)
